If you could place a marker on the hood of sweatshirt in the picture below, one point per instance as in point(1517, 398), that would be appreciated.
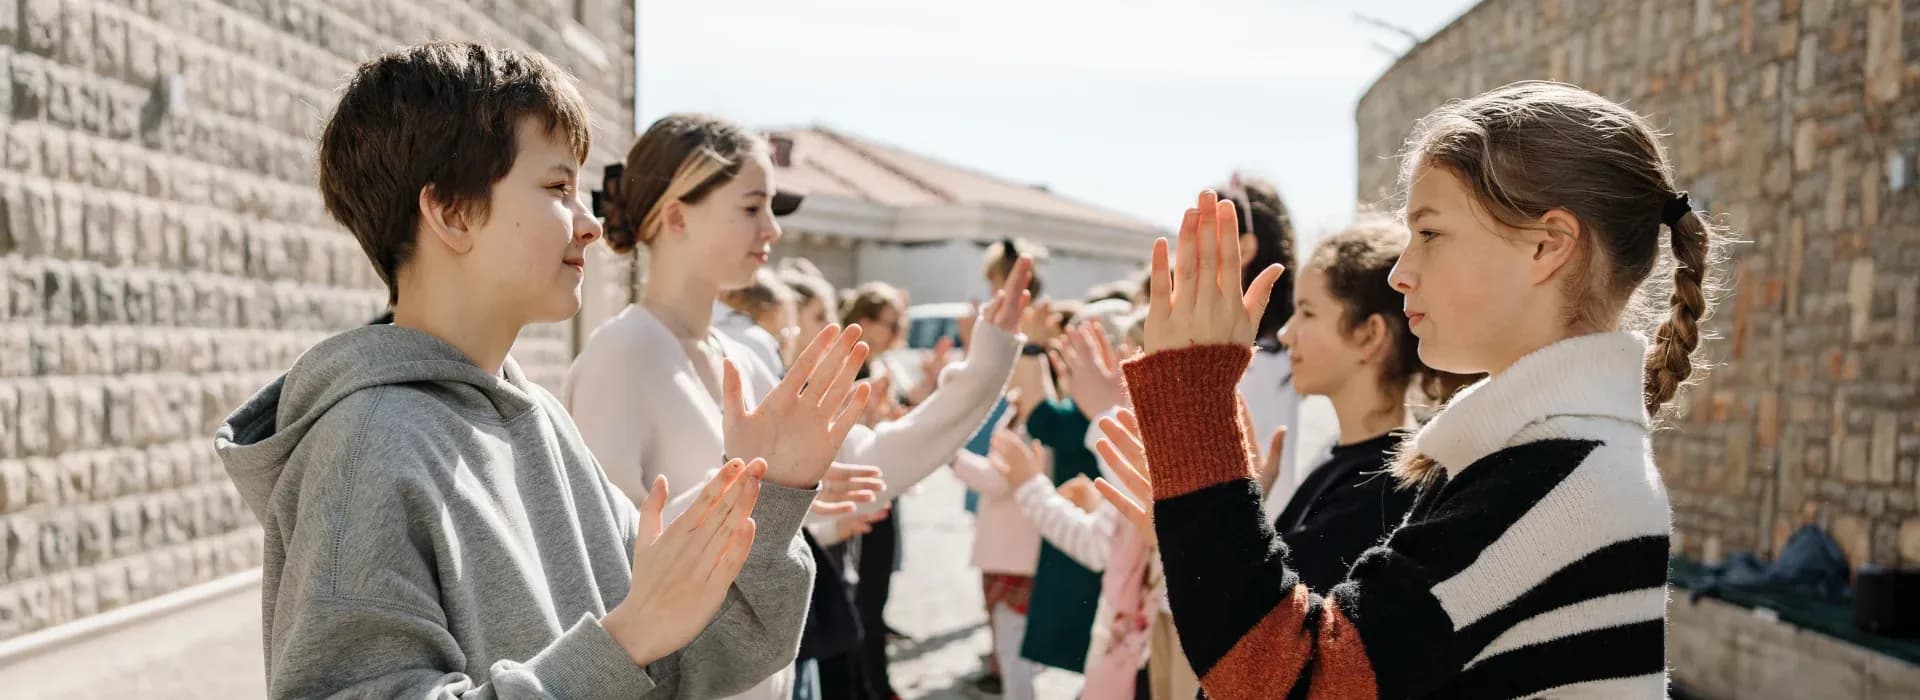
point(255, 442)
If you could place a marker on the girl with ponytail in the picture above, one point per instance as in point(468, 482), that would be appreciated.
point(656, 390)
point(1533, 561)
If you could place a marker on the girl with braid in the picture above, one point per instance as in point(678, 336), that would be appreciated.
point(1533, 561)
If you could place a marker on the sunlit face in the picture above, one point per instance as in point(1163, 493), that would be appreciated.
point(1470, 296)
point(782, 322)
point(1325, 355)
point(731, 232)
point(529, 253)
point(813, 317)
point(885, 329)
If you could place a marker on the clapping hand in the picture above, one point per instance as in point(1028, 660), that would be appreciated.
point(681, 571)
point(1017, 461)
point(799, 427)
point(1198, 301)
point(1092, 371)
point(1127, 456)
point(845, 487)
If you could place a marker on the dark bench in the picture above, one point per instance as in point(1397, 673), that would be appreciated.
point(1829, 617)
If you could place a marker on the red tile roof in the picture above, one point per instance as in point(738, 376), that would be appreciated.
point(824, 161)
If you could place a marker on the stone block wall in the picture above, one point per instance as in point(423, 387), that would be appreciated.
point(1798, 122)
point(164, 253)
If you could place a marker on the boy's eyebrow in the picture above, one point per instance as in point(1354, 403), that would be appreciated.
point(755, 193)
point(566, 169)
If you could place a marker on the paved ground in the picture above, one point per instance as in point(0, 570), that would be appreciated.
point(936, 599)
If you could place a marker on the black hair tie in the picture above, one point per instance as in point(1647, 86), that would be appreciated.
point(1675, 209)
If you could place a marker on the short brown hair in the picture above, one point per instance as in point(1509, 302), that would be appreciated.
point(441, 116)
point(1003, 254)
point(765, 294)
point(867, 301)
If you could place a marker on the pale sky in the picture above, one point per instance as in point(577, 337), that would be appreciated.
point(1131, 105)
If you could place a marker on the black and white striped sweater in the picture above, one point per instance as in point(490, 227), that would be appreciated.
point(1535, 564)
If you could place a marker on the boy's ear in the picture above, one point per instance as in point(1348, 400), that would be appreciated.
point(1554, 244)
point(446, 222)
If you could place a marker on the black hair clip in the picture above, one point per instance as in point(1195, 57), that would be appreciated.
point(603, 198)
point(1675, 209)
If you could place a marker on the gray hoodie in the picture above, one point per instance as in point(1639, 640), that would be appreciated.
point(433, 530)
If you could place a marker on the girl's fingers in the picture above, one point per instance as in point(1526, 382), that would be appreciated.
point(1132, 476)
point(831, 363)
point(1160, 281)
point(850, 413)
point(732, 399)
point(1133, 511)
point(853, 471)
point(1127, 440)
point(809, 358)
point(1278, 443)
point(1131, 421)
point(1227, 240)
point(1207, 260)
point(832, 508)
point(1261, 292)
point(1103, 347)
point(1186, 272)
point(836, 394)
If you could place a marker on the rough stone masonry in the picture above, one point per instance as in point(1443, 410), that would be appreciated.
point(164, 252)
point(1798, 122)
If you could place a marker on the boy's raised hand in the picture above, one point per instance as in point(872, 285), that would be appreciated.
point(1197, 300)
point(798, 428)
point(681, 571)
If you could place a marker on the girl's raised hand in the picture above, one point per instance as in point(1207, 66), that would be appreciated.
point(1127, 456)
point(799, 426)
point(1196, 299)
point(1010, 303)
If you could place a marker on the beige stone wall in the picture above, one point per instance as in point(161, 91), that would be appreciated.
point(158, 264)
point(1798, 120)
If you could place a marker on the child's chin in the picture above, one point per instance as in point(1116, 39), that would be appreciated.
point(562, 308)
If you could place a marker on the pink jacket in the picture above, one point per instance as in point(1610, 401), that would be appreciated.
point(1122, 629)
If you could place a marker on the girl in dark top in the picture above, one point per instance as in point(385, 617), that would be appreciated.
point(1349, 342)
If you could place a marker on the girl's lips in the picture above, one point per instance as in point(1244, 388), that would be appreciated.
point(1414, 318)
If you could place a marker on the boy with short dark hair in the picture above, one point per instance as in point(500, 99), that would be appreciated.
point(434, 525)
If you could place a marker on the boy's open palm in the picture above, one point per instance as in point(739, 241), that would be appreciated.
point(681, 572)
point(1196, 300)
point(798, 428)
